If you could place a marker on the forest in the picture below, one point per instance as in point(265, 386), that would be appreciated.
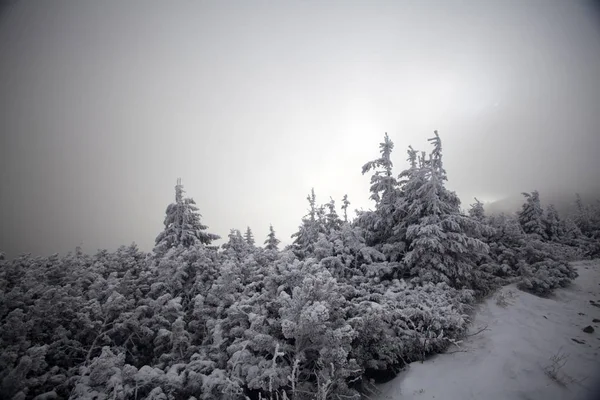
point(349, 302)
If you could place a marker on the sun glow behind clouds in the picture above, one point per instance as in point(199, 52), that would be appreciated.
point(440, 97)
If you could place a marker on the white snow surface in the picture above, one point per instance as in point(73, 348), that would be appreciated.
point(508, 360)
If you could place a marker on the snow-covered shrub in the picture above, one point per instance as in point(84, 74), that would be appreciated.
point(399, 322)
point(543, 277)
point(102, 379)
point(544, 267)
point(540, 266)
point(294, 324)
point(313, 320)
point(344, 252)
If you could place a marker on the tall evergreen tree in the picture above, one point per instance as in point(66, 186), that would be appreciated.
point(182, 225)
point(332, 220)
point(236, 246)
point(406, 175)
point(582, 216)
point(531, 215)
point(477, 211)
point(249, 237)
point(321, 218)
point(308, 232)
point(410, 181)
point(442, 242)
point(387, 232)
point(570, 229)
point(312, 202)
point(379, 224)
point(552, 224)
point(272, 242)
point(345, 204)
point(383, 183)
point(595, 221)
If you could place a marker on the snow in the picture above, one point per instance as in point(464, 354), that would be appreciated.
point(508, 360)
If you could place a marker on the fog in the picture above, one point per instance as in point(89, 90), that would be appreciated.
point(103, 105)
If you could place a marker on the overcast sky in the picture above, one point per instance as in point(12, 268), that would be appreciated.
point(104, 104)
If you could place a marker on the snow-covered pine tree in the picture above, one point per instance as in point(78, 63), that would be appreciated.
point(332, 220)
point(570, 229)
point(442, 246)
point(410, 181)
point(552, 224)
point(505, 244)
point(582, 215)
point(345, 204)
point(312, 202)
point(414, 170)
point(182, 225)
point(531, 215)
point(594, 231)
point(272, 242)
point(382, 182)
point(476, 211)
point(236, 246)
point(249, 237)
point(595, 220)
point(321, 218)
point(308, 232)
point(379, 224)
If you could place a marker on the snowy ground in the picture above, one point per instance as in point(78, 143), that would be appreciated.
point(508, 361)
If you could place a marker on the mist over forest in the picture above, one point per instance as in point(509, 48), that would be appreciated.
point(104, 105)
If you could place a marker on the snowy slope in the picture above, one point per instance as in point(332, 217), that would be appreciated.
point(508, 360)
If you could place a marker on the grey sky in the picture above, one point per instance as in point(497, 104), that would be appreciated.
point(104, 104)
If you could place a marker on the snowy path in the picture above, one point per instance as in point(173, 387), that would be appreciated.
point(508, 360)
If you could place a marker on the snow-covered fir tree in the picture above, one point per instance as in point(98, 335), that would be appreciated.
point(477, 211)
point(380, 223)
point(531, 215)
point(272, 242)
point(249, 237)
point(587, 218)
point(332, 220)
point(410, 181)
point(570, 229)
point(582, 215)
point(182, 225)
point(595, 221)
point(236, 246)
point(552, 224)
point(345, 204)
point(383, 182)
point(442, 242)
point(308, 232)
